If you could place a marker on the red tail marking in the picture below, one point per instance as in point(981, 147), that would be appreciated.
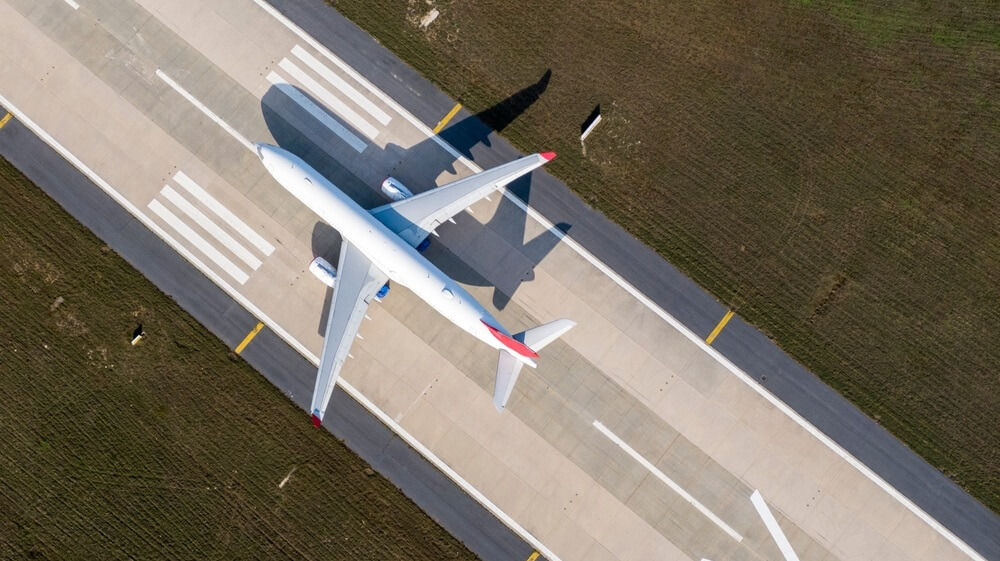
point(317, 421)
point(511, 343)
point(549, 156)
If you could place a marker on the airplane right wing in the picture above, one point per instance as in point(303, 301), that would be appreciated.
point(416, 217)
point(357, 282)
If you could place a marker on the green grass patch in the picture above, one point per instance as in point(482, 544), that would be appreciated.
point(826, 168)
point(171, 449)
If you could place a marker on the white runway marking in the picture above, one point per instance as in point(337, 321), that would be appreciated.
point(211, 227)
point(772, 526)
point(317, 112)
point(416, 444)
point(73, 4)
point(670, 482)
point(331, 101)
point(199, 242)
point(749, 381)
point(208, 112)
point(339, 83)
point(224, 213)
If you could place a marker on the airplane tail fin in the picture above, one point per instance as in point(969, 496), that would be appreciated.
point(509, 366)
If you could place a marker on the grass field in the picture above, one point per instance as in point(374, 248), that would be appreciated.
point(828, 169)
point(169, 450)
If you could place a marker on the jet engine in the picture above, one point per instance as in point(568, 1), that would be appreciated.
point(395, 190)
point(323, 270)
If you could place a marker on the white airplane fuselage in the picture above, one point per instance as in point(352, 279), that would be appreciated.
point(401, 262)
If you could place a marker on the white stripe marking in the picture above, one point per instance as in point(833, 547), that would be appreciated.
point(318, 113)
point(199, 242)
point(278, 330)
point(332, 102)
point(772, 526)
point(211, 227)
point(670, 482)
point(208, 112)
point(749, 381)
point(224, 213)
point(73, 4)
point(506, 519)
point(339, 83)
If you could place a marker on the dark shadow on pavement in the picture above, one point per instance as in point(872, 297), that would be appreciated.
point(286, 121)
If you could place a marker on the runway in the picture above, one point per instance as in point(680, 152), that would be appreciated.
point(633, 439)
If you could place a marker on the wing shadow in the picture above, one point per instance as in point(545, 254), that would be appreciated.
point(304, 133)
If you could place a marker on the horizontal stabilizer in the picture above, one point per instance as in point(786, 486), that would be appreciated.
point(509, 366)
point(538, 337)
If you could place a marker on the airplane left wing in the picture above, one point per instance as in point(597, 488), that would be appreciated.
point(416, 217)
point(357, 282)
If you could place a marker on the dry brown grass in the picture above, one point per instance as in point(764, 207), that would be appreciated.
point(169, 450)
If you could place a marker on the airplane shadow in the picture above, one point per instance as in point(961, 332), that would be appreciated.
point(304, 134)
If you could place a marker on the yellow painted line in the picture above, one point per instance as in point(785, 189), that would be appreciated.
point(718, 328)
point(4, 120)
point(533, 556)
point(248, 338)
point(443, 122)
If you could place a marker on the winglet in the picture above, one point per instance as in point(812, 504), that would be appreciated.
point(316, 421)
point(549, 156)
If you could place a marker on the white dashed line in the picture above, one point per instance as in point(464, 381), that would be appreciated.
point(670, 482)
point(772, 526)
point(208, 112)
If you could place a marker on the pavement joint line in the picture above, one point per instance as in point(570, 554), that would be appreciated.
point(533, 556)
point(4, 120)
point(444, 121)
point(204, 109)
point(772, 526)
point(718, 328)
point(669, 482)
point(476, 494)
point(246, 340)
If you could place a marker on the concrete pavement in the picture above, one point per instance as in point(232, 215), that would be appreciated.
point(154, 97)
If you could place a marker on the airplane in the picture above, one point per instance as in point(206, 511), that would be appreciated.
point(382, 244)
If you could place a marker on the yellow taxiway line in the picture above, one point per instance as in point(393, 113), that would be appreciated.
point(4, 120)
point(248, 338)
point(718, 328)
point(448, 117)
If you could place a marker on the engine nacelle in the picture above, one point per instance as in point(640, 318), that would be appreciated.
point(395, 190)
point(324, 271)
